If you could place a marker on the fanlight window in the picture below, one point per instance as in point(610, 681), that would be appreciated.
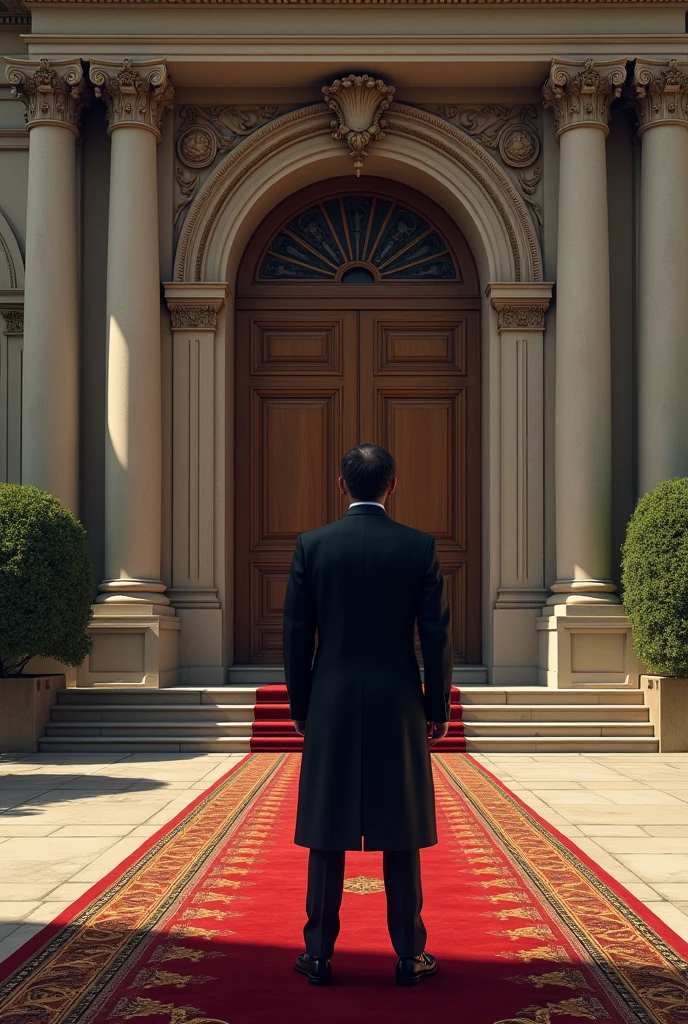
point(358, 238)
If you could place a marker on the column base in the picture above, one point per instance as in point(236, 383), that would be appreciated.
point(586, 645)
point(200, 641)
point(134, 644)
point(515, 644)
point(128, 591)
point(584, 592)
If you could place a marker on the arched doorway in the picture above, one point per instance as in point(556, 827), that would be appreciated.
point(357, 319)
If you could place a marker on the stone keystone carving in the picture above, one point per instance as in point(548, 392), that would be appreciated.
point(53, 92)
point(659, 92)
point(135, 93)
point(359, 101)
point(582, 94)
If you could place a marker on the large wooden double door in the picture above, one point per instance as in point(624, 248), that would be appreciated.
point(312, 380)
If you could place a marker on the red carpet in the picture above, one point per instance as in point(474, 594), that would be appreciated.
point(273, 729)
point(201, 925)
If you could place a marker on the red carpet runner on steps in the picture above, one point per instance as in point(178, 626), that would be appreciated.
point(201, 925)
point(273, 730)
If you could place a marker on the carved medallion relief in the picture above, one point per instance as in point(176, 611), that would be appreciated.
point(204, 135)
point(512, 136)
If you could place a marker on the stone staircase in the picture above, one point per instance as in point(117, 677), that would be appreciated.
point(498, 719)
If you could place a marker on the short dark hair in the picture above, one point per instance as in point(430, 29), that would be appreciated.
point(368, 471)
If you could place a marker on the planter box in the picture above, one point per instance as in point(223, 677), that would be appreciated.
point(25, 703)
point(667, 699)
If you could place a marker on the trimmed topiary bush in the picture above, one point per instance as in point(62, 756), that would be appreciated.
point(46, 580)
point(655, 578)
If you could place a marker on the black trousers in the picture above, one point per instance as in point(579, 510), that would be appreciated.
point(401, 871)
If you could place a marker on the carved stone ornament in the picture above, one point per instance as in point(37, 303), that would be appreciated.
point(583, 93)
point(659, 93)
point(512, 317)
point(53, 92)
point(201, 317)
point(359, 101)
point(14, 320)
point(135, 93)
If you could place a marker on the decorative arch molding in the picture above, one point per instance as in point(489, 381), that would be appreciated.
point(11, 262)
point(490, 211)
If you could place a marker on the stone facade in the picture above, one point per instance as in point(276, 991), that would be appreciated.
point(142, 145)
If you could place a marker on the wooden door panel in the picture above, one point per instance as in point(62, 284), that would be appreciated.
point(308, 346)
point(296, 407)
point(417, 349)
point(425, 430)
point(420, 398)
point(297, 437)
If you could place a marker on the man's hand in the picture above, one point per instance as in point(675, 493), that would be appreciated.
point(300, 727)
point(436, 732)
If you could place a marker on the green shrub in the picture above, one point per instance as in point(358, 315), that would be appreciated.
point(655, 578)
point(46, 580)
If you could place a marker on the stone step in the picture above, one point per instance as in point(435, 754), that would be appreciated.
point(151, 713)
point(545, 695)
point(563, 745)
point(555, 712)
point(486, 745)
point(260, 675)
point(559, 729)
point(146, 729)
point(243, 712)
point(170, 727)
point(157, 698)
point(144, 744)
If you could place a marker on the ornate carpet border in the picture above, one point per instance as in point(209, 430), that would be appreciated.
point(637, 952)
point(100, 907)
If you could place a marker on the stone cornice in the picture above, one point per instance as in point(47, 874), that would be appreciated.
point(581, 93)
point(659, 92)
point(136, 93)
point(53, 92)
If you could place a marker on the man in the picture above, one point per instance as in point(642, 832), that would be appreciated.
point(362, 584)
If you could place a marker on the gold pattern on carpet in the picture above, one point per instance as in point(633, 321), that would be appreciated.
point(363, 885)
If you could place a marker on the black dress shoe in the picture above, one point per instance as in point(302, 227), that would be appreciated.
point(410, 970)
point(317, 969)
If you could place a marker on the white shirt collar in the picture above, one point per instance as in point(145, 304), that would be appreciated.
point(368, 503)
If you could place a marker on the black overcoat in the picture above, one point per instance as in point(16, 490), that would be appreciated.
point(361, 584)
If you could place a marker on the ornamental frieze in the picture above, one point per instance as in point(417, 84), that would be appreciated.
point(512, 137)
point(200, 317)
point(206, 134)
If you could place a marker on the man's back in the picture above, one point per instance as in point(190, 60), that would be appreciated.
point(365, 574)
point(362, 584)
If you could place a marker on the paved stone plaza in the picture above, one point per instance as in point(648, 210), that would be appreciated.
point(66, 821)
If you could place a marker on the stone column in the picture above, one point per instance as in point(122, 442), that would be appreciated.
point(53, 93)
point(194, 308)
point(660, 95)
point(520, 310)
point(136, 96)
point(581, 95)
point(583, 648)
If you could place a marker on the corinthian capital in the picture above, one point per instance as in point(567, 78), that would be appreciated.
point(52, 92)
point(581, 93)
point(135, 93)
point(659, 92)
